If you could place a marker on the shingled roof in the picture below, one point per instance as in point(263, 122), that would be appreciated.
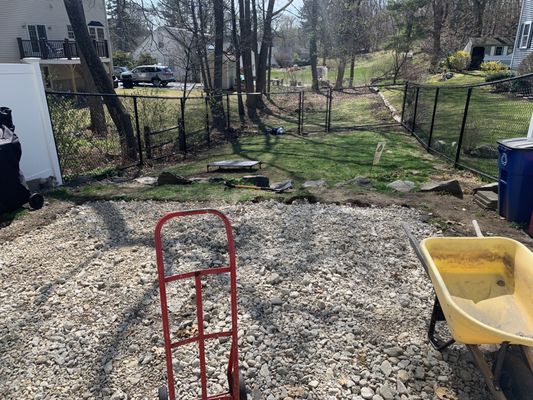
point(491, 41)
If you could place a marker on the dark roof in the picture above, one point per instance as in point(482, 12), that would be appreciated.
point(95, 23)
point(491, 41)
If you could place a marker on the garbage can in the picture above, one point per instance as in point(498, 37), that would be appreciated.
point(14, 192)
point(515, 185)
point(127, 81)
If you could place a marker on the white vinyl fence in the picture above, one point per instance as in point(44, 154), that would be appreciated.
point(22, 90)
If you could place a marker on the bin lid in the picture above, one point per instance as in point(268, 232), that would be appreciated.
point(517, 143)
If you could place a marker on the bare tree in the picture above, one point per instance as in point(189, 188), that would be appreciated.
point(440, 13)
point(101, 79)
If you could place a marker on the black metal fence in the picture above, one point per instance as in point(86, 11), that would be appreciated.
point(463, 123)
point(165, 127)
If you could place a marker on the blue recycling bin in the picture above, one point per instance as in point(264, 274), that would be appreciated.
point(515, 185)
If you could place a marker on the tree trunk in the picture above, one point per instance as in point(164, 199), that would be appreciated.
point(254, 31)
point(217, 110)
point(237, 47)
point(478, 11)
point(340, 72)
point(199, 48)
point(101, 79)
point(121, 30)
point(269, 77)
point(204, 43)
point(263, 53)
point(440, 9)
point(244, 20)
point(312, 44)
point(96, 107)
point(352, 68)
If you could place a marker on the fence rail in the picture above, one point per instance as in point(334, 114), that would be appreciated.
point(88, 142)
point(463, 123)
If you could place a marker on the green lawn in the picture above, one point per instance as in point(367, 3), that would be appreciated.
point(494, 113)
point(333, 157)
point(367, 66)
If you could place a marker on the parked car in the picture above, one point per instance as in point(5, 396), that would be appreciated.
point(118, 71)
point(157, 75)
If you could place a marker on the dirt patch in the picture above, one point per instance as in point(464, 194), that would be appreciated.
point(33, 220)
point(452, 215)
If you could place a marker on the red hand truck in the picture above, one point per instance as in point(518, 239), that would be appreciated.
point(237, 388)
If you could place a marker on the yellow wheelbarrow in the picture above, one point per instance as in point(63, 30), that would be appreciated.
point(484, 291)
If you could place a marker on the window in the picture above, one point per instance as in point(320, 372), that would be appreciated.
point(36, 32)
point(97, 33)
point(524, 37)
point(498, 51)
point(70, 32)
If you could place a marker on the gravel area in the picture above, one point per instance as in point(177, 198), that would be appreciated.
point(332, 305)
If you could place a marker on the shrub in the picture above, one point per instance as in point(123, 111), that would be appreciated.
point(459, 61)
point(146, 59)
point(493, 66)
point(498, 76)
point(526, 66)
point(122, 59)
point(521, 86)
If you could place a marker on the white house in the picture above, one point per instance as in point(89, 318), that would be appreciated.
point(167, 45)
point(174, 48)
point(41, 29)
point(483, 49)
point(524, 36)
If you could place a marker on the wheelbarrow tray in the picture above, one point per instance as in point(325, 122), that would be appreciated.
point(484, 286)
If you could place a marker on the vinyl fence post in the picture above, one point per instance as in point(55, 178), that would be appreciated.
point(433, 118)
point(416, 109)
point(227, 111)
point(405, 88)
point(148, 142)
point(463, 126)
point(138, 131)
point(207, 128)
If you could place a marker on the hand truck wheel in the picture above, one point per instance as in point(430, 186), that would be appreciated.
point(243, 395)
point(162, 393)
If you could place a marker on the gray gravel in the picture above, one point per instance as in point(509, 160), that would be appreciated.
point(332, 305)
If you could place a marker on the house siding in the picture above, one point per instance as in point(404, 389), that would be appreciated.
point(16, 15)
point(172, 54)
point(525, 15)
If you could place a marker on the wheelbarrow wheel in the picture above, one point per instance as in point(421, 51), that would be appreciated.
point(243, 395)
point(516, 379)
point(162, 393)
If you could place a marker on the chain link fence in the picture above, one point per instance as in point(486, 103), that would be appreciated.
point(463, 123)
point(172, 128)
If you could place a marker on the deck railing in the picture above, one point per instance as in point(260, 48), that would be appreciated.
point(56, 49)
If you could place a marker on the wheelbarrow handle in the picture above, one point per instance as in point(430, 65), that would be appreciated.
point(416, 247)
